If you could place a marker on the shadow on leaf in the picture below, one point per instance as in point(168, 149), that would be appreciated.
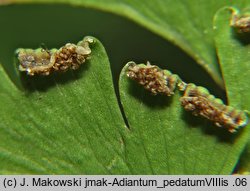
point(243, 38)
point(153, 101)
point(43, 83)
point(209, 127)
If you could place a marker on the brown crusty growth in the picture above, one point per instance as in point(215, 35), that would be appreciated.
point(44, 62)
point(200, 102)
point(71, 56)
point(152, 78)
point(35, 61)
point(241, 22)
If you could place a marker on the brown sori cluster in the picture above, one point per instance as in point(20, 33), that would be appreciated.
point(43, 62)
point(198, 100)
point(241, 22)
point(35, 61)
point(153, 78)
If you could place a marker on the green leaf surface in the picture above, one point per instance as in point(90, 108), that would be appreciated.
point(168, 139)
point(188, 24)
point(68, 123)
point(233, 51)
point(244, 162)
